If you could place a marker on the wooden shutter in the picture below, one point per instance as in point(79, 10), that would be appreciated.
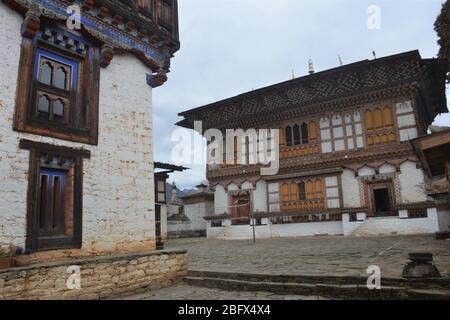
point(387, 113)
point(368, 118)
point(294, 192)
point(377, 119)
point(52, 194)
point(313, 131)
point(310, 189)
point(282, 137)
point(285, 192)
point(318, 189)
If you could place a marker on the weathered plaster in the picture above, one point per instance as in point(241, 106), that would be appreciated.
point(118, 188)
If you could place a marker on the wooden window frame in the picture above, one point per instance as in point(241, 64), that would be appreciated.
point(33, 241)
point(81, 124)
point(293, 194)
point(385, 131)
point(299, 134)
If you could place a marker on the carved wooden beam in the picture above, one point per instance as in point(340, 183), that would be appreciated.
point(116, 20)
point(88, 4)
point(106, 55)
point(103, 12)
point(30, 25)
point(129, 26)
point(157, 79)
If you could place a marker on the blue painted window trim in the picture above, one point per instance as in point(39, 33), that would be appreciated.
point(73, 64)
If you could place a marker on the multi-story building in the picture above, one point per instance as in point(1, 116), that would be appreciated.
point(76, 149)
point(346, 162)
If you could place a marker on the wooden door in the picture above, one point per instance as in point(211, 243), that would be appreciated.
point(240, 210)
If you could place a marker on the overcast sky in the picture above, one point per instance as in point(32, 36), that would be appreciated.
point(230, 47)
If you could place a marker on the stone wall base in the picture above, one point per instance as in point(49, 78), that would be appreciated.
point(98, 277)
point(186, 234)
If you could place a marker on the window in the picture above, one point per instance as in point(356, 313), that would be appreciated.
point(56, 80)
point(305, 133)
point(303, 194)
point(299, 134)
point(289, 136)
point(55, 189)
point(302, 190)
point(58, 87)
point(406, 121)
point(341, 132)
point(332, 192)
point(161, 191)
point(379, 124)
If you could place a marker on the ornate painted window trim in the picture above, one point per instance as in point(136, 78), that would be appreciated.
point(80, 100)
point(50, 157)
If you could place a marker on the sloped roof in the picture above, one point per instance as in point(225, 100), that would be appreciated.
point(344, 81)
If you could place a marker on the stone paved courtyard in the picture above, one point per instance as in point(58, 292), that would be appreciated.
point(345, 256)
point(186, 292)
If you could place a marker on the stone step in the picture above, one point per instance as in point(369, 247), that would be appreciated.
point(439, 284)
point(336, 291)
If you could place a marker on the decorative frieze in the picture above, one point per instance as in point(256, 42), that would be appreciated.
point(118, 25)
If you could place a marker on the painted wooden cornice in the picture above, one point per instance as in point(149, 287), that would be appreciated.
point(118, 25)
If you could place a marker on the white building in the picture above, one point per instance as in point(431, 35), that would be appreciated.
point(346, 163)
point(76, 150)
point(192, 208)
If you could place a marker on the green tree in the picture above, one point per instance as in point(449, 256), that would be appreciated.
point(442, 27)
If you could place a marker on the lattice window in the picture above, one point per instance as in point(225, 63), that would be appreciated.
point(332, 192)
point(56, 79)
point(406, 120)
point(341, 132)
point(274, 197)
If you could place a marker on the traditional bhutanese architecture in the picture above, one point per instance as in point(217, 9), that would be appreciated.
point(434, 153)
point(76, 150)
point(347, 165)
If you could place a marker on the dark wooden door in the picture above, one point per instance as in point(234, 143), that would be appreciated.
point(382, 200)
point(240, 210)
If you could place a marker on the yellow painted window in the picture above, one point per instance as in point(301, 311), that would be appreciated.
point(368, 117)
